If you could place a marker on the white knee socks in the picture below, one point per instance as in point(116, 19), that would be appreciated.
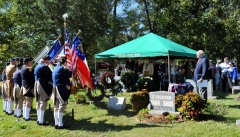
point(60, 117)
point(56, 117)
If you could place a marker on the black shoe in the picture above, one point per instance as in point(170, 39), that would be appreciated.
point(4, 110)
point(10, 113)
point(56, 126)
point(19, 116)
point(43, 124)
point(27, 119)
point(15, 115)
point(63, 127)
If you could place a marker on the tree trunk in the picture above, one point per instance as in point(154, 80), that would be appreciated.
point(148, 18)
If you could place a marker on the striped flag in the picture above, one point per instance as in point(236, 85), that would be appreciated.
point(80, 66)
point(68, 47)
point(76, 60)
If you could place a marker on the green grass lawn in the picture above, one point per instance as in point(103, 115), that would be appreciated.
point(96, 120)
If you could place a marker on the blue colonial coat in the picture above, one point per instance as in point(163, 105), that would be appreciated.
point(28, 80)
point(201, 69)
point(61, 78)
point(17, 77)
point(43, 74)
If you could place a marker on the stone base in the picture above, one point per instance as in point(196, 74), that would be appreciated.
point(213, 97)
point(155, 112)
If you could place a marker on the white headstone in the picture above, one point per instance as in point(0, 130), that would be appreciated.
point(210, 90)
point(117, 103)
point(162, 102)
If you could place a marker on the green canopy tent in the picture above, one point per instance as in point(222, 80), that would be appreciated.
point(149, 45)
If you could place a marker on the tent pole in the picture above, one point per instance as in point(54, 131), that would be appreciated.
point(169, 78)
point(95, 67)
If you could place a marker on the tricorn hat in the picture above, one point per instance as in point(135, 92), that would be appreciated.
point(27, 59)
point(19, 64)
point(17, 58)
point(47, 57)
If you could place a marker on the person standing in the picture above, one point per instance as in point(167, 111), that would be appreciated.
point(3, 88)
point(42, 87)
point(173, 71)
point(201, 72)
point(61, 90)
point(218, 74)
point(10, 69)
point(232, 75)
point(27, 74)
point(224, 66)
point(148, 68)
point(16, 90)
point(212, 73)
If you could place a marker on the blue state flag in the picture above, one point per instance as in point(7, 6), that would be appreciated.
point(55, 49)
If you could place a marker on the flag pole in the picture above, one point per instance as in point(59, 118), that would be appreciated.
point(65, 16)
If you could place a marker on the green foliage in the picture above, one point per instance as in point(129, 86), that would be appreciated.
point(79, 98)
point(141, 114)
point(139, 100)
point(172, 116)
point(145, 83)
point(128, 78)
point(216, 108)
point(191, 105)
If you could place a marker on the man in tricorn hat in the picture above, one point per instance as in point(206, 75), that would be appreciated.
point(42, 87)
point(10, 69)
point(27, 74)
point(3, 88)
point(61, 91)
point(16, 90)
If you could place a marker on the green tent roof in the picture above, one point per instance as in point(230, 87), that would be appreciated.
point(149, 45)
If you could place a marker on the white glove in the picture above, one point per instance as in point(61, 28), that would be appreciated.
point(233, 81)
point(68, 87)
point(50, 83)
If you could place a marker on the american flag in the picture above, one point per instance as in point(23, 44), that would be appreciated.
point(68, 47)
point(76, 60)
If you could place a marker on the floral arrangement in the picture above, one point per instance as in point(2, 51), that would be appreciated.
point(139, 100)
point(93, 94)
point(128, 78)
point(190, 105)
point(107, 82)
point(79, 98)
point(145, 83)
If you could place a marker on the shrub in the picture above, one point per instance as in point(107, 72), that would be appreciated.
point(191, 105)
point(216, 108)
point(139, 100)
point(142, 114)
point(79, 98)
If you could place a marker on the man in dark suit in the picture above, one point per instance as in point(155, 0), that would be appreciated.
point(61, 90)
point(42, 87)
point(201, 72)
point(27, 74)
